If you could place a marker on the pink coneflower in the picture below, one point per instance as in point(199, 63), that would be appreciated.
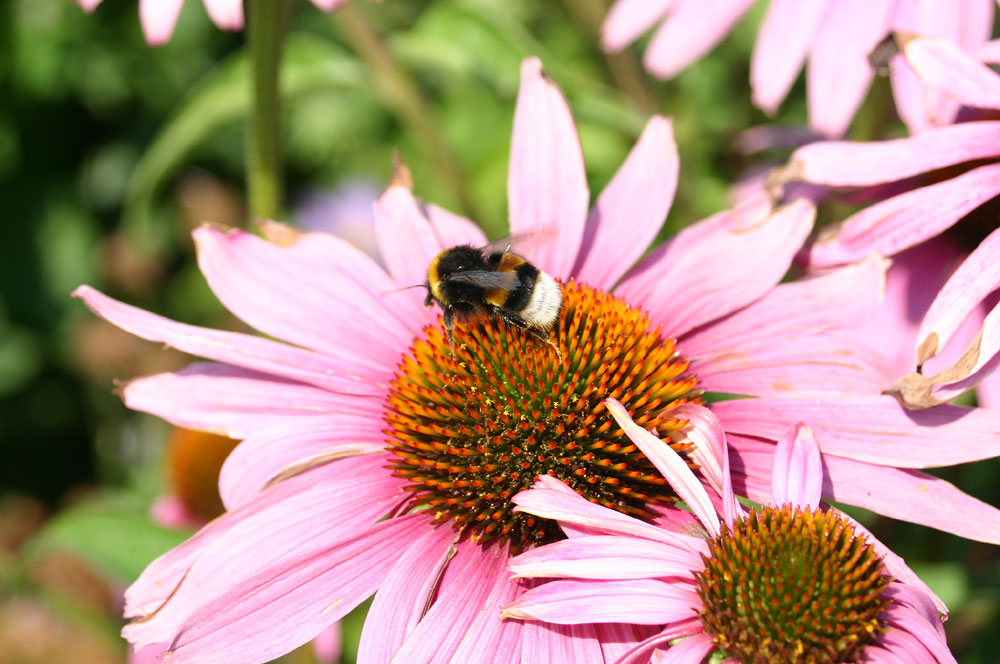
point(835, 36)
point(159, 17)
point(788, 582)
point(920, 211)
point(376, 458)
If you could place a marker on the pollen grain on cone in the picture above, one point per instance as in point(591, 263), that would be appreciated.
point(471, 427)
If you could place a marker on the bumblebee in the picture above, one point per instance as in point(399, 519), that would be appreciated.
point(469, 282)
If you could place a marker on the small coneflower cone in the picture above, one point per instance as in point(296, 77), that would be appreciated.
point(791, 584)
point(193, 460)
point(472, 426)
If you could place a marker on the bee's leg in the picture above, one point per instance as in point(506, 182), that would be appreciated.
point(449, 325)
point(518, 322)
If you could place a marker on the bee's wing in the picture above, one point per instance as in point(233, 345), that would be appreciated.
point(486, 279)
point(521, 242)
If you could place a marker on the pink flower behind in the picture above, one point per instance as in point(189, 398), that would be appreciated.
point(739, 590)
point(919, 212)
point(835, 37)
point(378, 460)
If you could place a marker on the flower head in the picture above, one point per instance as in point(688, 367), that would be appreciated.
point(787, 582)
point(376, 459)
point(929, 183)
point(836, 37)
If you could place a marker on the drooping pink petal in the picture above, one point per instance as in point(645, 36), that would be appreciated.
point(606, 557)
point(689, 33)
point(628, 19)
point(270, 454)
point(904, 220)
point(331, 482)
point(851, 164)
point(344, 375)
point(908, 495)
point(158, 18)
point(705, 433)
point(546, 184)
point(441, 631)
point(571, 508)
point(787, 32)
point(918, 600)
point(637, 199)
point(404, 596)
point(797, 474)
point(234, 402)
point(841, 298)
point(911, 622)
point(321, 307)
point(405, 238)
point(942, 64)
point(872, 429)
point(577, 601)
point(226, 14)
point(687, 289)
point(452, 229)
point(302, 592)
point(671, 466)
point(976, 277)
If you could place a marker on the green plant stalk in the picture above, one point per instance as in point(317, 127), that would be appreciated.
point(267, 26)
point(405, 98)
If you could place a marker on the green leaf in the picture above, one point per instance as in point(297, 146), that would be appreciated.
point(221, 99)
point(113, 532)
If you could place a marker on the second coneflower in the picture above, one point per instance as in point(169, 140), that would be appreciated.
point(377, 460)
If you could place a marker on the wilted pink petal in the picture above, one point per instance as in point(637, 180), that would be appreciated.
point(546, 185)
point(671, 466)
point(638, 197)
point(785, 36)
point(839, 74)
point(158, 18)
point(943, 65)
point(628, 19)
point(907, 219)
point(690, 32)
point(226, 14)
point(797, 475)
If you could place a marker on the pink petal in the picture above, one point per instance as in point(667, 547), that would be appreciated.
point(286, 293)
point(489, 639)
point(628, 19)
point(916, 599)
point(327, 647)
point(575, 601)
point(988, 391)
point(689, 33)
point(976, 278)
point(940, 63)
point(989, 52)
point(405, 238)
point(618, 639)
point(686, 289)
point(913, 623)
point(441, 631)
point(242, 350)
point(904, 220)
point(302, 593)
point(638, 199)
point(783, 41)
point(606, 557)
point(234, 402)
point(571, 508)
point(908, 495)
point(850, 164)
point(170, 512)
point(685, 651)
point(563, 644)
point(226, 14)
point(906, 647)
point(842, 298)
point(639, 653)
point(916, 104)
point(329, 5)
point(88, 5)
point(546, 185)
point(872, 429)
point(671, 466)
point(334, 482)
point(158, 18)
point(404, 596)
point(839, 74)
point(797, 474)
point(298, 443)
point(452, 230)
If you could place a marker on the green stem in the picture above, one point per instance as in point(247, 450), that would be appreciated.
point(405, 98)
point(267, 24)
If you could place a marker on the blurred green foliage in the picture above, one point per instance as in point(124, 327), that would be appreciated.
point(111, 151)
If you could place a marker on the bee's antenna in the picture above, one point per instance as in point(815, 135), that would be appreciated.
point(396, 290)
